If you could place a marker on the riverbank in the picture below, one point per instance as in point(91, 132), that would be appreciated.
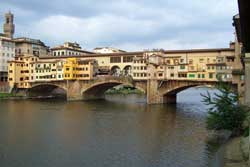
point(236, 152)
point(9, 96)
point(123, 90)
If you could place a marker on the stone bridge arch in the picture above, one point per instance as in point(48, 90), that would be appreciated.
point(47, 89)
point(166, 91)
point(97, 89)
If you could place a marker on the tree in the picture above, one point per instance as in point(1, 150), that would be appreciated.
point(224, 111)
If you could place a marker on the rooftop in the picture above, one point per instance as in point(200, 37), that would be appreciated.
point(29, 40)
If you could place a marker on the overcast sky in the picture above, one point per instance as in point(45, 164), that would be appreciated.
point(126, 24)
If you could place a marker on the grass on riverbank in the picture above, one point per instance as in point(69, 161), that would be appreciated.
point(123, 91)
point(7, 95)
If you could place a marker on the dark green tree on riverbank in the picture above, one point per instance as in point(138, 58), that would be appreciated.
point(224, 110)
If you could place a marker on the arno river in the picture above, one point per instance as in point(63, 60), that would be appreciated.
point(121, 131)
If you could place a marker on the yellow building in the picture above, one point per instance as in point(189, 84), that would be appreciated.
point(77, 69)
point(22, 71)
point(27, 69)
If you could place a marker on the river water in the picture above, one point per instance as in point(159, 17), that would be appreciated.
point(121, 131)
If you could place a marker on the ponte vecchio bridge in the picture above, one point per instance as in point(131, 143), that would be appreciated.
point(160, 74)
point(157, 91)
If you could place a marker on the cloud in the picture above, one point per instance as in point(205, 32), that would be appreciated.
point(131, 25)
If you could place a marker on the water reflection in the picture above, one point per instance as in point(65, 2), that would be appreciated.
point(120, 131)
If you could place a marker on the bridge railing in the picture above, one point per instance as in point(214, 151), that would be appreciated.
point(122, 79)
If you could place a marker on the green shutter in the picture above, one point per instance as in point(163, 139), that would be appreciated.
point(191, 76)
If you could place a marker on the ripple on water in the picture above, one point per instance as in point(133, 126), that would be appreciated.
point(121, 131)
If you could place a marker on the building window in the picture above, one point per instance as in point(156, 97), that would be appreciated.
point(115, 59)
point(182, 67)
point(127, 59)
point(182, 75)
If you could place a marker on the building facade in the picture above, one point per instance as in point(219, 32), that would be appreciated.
point(27, 69)
point(68, 49)
point(196, 65)
point(31, 47)
point(7, 53)
point(77, 69)
point(7, 50)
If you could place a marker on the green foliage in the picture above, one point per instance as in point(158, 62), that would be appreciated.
point(225, 112)
point(5, 95)
point(124, 90)
point(246, 132)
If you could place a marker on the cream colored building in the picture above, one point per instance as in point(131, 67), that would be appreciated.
point(49, 70)
point(68, 49)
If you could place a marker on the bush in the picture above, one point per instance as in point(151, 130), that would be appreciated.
point(225, 112)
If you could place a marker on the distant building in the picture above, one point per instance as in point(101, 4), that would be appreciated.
point(108, 50)
point(31, 46)
point(68, 49)
point(7, 50)
point(11, 47)
point(7, 53)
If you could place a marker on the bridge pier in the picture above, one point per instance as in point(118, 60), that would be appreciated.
point(154, 96)
point(74, 91)
point(20, 92)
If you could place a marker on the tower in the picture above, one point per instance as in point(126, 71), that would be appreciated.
point(9, 27)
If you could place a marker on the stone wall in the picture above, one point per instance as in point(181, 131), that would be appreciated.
point(4, 87)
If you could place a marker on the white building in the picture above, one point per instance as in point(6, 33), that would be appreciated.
point(7, 53)
point(68, 49)
point(104, 50)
